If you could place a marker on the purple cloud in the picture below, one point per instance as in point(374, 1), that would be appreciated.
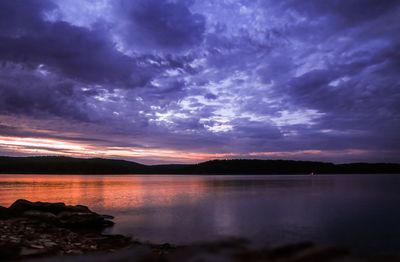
point(215, 79)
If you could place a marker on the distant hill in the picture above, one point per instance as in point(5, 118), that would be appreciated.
point(245, 166)
point(69, 165)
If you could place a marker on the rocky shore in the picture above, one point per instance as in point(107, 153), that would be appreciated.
point(42, 231)
point(32, 229)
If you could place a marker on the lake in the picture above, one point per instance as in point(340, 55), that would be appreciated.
point(357, 211)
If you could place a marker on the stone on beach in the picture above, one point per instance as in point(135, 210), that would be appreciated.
point(57, 213)
point(4, 213)
point(25, 237)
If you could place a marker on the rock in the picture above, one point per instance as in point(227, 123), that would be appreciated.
point(4, 213)
point(70, 219)
point(49, 243)
point(36, 229)
point(37, 246)
point(21, 205)
point(32, 252)
point(14, 239)
point(59, 214)
point(40, 215)
point(9, 251)
point(81, 208)
point(107, 217)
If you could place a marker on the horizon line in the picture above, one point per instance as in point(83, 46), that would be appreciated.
point(196, 163)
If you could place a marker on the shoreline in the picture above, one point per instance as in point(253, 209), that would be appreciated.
point(50, 231)
point(70, 165)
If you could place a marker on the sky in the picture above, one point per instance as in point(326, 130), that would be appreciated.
point(184, 81)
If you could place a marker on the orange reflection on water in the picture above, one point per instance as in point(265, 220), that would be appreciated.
point(100, 192)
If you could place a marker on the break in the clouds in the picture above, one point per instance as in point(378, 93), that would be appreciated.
point(183, 81)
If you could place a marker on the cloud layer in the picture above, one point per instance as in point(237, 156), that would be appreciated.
point(159, 80)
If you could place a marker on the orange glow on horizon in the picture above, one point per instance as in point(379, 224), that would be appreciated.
point(49, 146)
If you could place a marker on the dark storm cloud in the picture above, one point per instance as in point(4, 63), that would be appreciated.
point(21, 16)
point(22, 92)
point(76, 52)
point(162, 24)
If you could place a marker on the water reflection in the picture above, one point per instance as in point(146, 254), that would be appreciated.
point(100, 192)
point(274, 182)
point(127, 192)
point(265, 209)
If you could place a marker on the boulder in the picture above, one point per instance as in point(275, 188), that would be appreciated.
point(4, 213)
point(21, 205)
point(107, 217)
point(79, 208)
point(41, 215)
point(58, 214)
point(9, 251)
point(78, 219)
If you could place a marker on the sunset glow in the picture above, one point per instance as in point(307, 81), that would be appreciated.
point(221, 130)
point(41, 146)
point(161, 81)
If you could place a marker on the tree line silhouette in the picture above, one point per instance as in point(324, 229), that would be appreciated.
point(69, 165)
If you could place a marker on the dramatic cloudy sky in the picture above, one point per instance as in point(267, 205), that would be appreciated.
point(159, 81)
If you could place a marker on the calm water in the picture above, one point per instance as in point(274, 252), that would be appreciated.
point(362, 212)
